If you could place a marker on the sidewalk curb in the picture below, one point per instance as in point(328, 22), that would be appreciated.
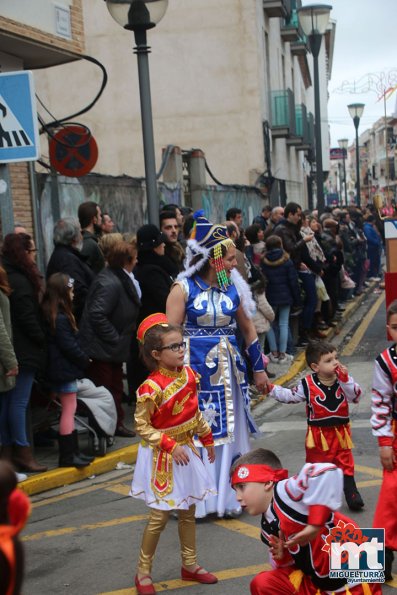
point(56, 478)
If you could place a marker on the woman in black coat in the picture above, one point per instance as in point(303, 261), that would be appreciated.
point(109, 322)
point(155, 273)
point(19, 254)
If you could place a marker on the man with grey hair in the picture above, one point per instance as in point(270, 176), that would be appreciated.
point(276, 216)
point(67, 258)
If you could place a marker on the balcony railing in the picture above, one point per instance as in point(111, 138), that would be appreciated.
point(301, 138)
point(282, 113)
point(290, 30)
point(277, 8)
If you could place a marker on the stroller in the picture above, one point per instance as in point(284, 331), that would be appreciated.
point(96, 413)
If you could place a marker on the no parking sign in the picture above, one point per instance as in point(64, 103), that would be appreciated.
point(73, 151)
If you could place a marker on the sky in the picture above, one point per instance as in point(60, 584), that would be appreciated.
point(365, 43)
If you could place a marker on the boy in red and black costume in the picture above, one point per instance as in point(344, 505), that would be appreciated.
point(297, 515)
point(327, 393)
point(384, 427)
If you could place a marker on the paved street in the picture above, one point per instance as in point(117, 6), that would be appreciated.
point(84, 539)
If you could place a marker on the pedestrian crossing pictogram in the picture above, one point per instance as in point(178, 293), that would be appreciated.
point(19, 135)
point(12, 133)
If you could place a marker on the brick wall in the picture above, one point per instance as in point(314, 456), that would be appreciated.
point(21, 194)
point(75, 45)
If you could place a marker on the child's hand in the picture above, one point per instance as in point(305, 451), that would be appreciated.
point(211, 453)
point(277, 546)
point(387, 457)
point(180, 456)
point(304, 537)
point(342, 373)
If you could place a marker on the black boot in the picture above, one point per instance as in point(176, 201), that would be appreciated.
point(352, 495)
point(77, 451)
point(67, 458)
point(389, 557)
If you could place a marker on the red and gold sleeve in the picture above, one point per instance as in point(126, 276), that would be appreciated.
point(154, 437)
point(203, 431)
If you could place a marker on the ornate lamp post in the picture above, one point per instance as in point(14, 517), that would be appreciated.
point(139, 16)
point(314, 19)
point(356, 111)
point(343, 144)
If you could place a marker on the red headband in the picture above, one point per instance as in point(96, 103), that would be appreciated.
point(257, 473)
point(150, 321)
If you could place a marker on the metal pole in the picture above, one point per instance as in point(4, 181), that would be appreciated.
point(142, 50)
point(356, 121)
point(315, 45)
point(344, 175)
point(6, 204)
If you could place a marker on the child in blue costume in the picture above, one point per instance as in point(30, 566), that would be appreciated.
point(210, 299)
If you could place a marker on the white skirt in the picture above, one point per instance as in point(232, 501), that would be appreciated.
point(225, 501)
point(192, 482)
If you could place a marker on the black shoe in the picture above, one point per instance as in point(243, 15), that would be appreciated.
point(124, 432)
point(352, 495)
point(67, 458)
point(389, 557)
point(303, 342)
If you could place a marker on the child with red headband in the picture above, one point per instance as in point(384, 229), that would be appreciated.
point(297, 515)
point(169, 473)
point(327, 392)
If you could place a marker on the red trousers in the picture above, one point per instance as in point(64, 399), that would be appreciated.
point(386, 509)
point(109, 375)
point(276, 582)
point(341, 457)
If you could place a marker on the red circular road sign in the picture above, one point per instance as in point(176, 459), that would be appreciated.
point(73, 151)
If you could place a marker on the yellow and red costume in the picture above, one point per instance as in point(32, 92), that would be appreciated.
point(167, 415)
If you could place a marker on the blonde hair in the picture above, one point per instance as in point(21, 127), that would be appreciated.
point(107, 241)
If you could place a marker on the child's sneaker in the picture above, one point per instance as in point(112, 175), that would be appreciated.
point(273, 358)
point(284, 358)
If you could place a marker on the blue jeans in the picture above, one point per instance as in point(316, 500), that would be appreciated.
point(310, 301)
point(13, 406)
point(281, 320)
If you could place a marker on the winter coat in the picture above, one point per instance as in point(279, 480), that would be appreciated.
point(373, 238)
point(264, 314)
point(109, 317)
point(26, 320)
point(66, 360)
point(293, 242)
point(8, 359)
point(69, 260)
point(154, 274)
point(283, 286)
point(92, 252)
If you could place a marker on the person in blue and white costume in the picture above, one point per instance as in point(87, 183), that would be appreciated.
point(211, 299)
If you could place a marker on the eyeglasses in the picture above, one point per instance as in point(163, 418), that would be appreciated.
point(174, 347)
point(70, 283)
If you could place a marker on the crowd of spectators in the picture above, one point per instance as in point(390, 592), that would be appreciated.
point(301, 268)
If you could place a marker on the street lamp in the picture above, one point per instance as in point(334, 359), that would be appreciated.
point(343, 144)
point(314, 20)
point(139, 16)
point(356, 111)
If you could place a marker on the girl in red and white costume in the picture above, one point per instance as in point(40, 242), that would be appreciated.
point(169, 472)
point(384, 427)
point(327, 393)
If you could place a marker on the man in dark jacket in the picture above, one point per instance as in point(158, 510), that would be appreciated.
point(109, 322)
point(90, 218)
point(68, 259)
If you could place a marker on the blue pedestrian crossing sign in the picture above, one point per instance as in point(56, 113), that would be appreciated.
point(19, 135)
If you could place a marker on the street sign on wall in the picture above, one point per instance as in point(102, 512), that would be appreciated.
point(337, 153)
point(19, 135)
point(73, 151)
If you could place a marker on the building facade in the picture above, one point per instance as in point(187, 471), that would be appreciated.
point(230, 77)
point(34, 35)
